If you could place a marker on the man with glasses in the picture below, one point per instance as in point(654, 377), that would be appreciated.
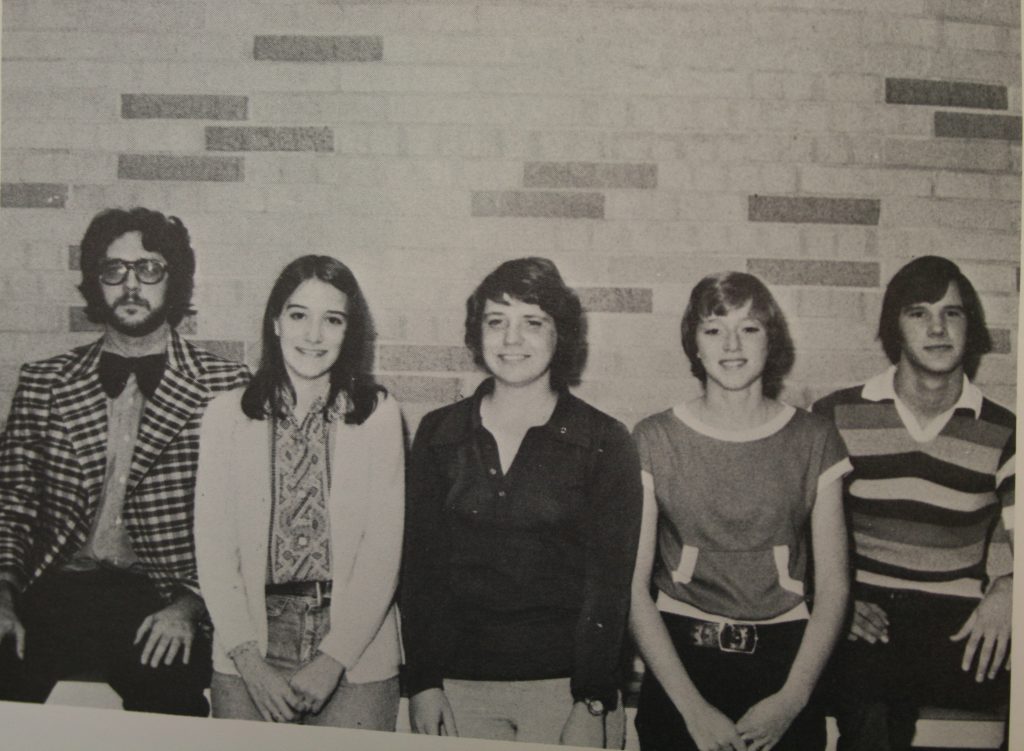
point(97, 468)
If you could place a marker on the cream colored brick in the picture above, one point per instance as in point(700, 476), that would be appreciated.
point(319, 107)
point(867, 182)
point(61, 165)
point(952, 242)
point(458, 49)
point(951, 213)
point(842, 87)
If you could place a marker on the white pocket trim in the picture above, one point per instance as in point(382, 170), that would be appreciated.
point(781, 555)
point(687, 563)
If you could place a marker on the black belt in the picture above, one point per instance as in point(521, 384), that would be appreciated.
point(318, 590)
point(727, 637)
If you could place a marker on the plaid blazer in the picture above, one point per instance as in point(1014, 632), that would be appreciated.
point(53, 458)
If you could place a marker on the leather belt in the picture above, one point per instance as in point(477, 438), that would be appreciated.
point(727, 637)
point(318, 590)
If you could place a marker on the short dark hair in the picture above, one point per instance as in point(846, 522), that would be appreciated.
point(266, 393)
point(926, 279)
point(716, 295)
point(161, 234)
point(535, 281)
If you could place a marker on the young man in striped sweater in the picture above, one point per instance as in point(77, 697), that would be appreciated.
point(930, 510)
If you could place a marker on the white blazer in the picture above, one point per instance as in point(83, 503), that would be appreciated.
point(366, 508)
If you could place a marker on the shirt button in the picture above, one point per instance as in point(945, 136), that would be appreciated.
point(493, 471)
point(122, 479)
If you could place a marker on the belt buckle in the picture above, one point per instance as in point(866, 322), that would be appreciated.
point(319, 594)
point(737, 637)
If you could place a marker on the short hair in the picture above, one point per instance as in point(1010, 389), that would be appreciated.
point(161, 234)
point(716, 295)
point(266, 394)
point(535, 281)
point(926, 279)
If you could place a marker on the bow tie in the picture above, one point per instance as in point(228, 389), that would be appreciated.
point(114, 371)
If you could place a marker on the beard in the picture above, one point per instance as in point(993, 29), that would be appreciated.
point(139, 326)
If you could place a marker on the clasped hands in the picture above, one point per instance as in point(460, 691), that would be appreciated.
point(279, 699)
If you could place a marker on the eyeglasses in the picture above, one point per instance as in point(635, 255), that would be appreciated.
point(147, 270)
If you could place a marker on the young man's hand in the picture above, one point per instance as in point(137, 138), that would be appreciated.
point(171, 631)
point(870, 623)
point(10, 624)
point(987, 631)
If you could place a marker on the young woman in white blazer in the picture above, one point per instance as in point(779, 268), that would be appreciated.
point(299, 515)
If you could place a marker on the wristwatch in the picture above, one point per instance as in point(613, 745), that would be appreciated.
point(595, 707)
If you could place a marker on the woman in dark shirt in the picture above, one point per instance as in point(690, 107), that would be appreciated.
point(522, 519)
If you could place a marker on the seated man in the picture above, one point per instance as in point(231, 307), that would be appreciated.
point(97, 467)
point(930, 509)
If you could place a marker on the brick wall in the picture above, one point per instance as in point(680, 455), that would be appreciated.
point(819, 145)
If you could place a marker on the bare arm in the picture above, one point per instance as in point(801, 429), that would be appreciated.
point(709, 728)
point(765, 722)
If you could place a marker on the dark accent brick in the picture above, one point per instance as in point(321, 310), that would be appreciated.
point(819, 273)
point(616, 299)
point(77, 322)
point(184, 107)
point(1002, 343)
point(589, 175)
point(414, 388)
point(812, 210)
point(228, 349)
point(74, 258)
point(168, 167)
point(33, 195)
point(424, 358)
point(282, 138)
point(540, 203)
point(319, 49)
point(971, 125)
point(945, 93)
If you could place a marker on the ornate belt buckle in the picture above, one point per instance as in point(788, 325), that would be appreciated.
point(738, 637)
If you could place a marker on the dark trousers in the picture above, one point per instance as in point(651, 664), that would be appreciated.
point(732, 683)
point(85, 623)
point(878, 689)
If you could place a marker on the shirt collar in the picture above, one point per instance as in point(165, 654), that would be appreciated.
point(568, 423)
point(883, 388)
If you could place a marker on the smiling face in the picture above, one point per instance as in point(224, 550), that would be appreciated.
point(934, 335)
point(311, 329)
point(733, 349)
point(134, 308)
point(518, 341)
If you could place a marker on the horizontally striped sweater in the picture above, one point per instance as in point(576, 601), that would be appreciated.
point(928, 509)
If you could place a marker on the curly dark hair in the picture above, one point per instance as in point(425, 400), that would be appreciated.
point(926, 279)
point(716, 295)
point(535, 281)
point(161, 234)
point(350, 374)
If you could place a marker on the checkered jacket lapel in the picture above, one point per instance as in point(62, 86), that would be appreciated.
point(80, 405)
point(180, 395)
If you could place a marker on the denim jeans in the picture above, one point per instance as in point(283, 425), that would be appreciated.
point(295, 628)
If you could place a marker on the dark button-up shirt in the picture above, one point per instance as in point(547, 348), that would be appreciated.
point(521, 575)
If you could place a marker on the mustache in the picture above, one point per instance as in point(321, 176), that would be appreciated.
point(131, 298)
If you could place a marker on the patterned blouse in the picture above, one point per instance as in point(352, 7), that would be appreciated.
point(300, 548)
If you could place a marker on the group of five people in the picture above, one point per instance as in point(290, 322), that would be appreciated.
point(151, 491)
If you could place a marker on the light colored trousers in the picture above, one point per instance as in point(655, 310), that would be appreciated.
point(295, 627)
point(528, 711)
